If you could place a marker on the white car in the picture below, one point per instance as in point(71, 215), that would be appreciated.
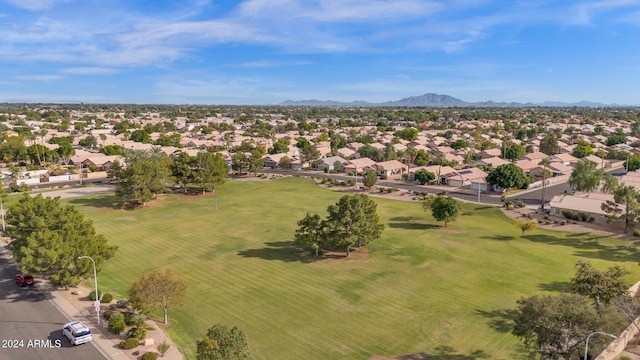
point(77, 332)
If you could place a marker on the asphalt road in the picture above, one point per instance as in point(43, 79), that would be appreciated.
point(31, 326)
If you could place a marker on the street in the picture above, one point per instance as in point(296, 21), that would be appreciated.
point(30, 324)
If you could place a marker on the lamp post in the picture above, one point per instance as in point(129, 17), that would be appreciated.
point(96, 303)
point(586, 345)
point(2, 210)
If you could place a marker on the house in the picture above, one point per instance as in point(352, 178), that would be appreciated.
point(347, 153)
point(329, 163)
point(272, 160)
point(440, 171)
point(358, 166)
point(489, 153)
point(526, 165)
point(390, 169)
point(565, 158)
point(493, 162)
point(536, 157)
point(581, 202)
point(465, 177)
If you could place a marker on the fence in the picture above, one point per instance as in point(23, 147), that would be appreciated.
point(617, 346)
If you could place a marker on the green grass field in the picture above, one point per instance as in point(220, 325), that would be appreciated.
point(421, 288)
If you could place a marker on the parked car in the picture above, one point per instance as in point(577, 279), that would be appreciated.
point(77, 333)
point(23, 280)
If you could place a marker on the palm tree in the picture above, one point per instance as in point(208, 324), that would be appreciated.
point(544, 162)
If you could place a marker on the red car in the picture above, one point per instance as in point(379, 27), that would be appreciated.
point(23, 280)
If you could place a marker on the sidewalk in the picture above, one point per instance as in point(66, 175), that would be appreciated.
point(77, 308)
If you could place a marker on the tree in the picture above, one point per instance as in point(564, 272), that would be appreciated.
point(554, 327)
point(632, 163)
point(549, 144)
point(352, 220)
point(209, 170)
point(513, 151)
point(142, 180)
point(525, 225)
point(544, 162)
point(625, 204)
point(508, 176)
point(157, 290)
point(181, 169)
point(600, 286)
point(585, 177)
point(223, 343)
point(443, 208)
point(285, 162)
point(582, 149)
point(49, 237)
point(424, 176)
point(256, 161)
point(140, 136)
point(369, 179)
point(459, 144)
point(618, 137)
point(310, 232)
point(408, 134)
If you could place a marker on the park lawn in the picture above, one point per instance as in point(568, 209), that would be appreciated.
point(420, 288)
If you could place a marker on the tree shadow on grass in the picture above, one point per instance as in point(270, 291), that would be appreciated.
point(499, 237)
point(99, 201)
point(589, 247)
point(556, 286)
point(410, 223)
point(444, 353)
point(280, 250)
point(500, 320)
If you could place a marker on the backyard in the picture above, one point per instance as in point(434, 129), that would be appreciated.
point(419, 289)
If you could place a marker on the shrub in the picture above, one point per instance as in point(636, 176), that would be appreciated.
point(92, 294)
point(129, 344)
point(389, 190)
point(636, 232)
point(163, 347)
point(137, 333)
point(520, 204)
point(122, 303)
point(567, 213)
point(624, 357)
point(575, 217)
point(149, 356)
point(107, 314)
point(116, 323)
point(592, 219)
point(106, 298)
point(547, 217)
point(383, 176)
point(583, 216)
point(564, 222)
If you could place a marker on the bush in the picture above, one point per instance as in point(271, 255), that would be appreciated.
point(137, 333)
point(122, 303)
point(107, 314)
point(567, 213)
point(547, 217)
point(92, 294)
point(163, 347)
point(520, 204)
point(564, 222)
point(583, 216)
point(116, 323)
point(129, 344)
point(592, 219)
point(575, 217)
point(636, 232)
point(149, 356)
point(106, 298)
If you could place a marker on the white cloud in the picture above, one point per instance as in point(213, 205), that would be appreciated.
point(36, 5)
point(41, 78)
point(89, 71)
point(273, 63)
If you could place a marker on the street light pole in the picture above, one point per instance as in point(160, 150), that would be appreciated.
point(96, 303)
point(2, 210)
point(586, 345)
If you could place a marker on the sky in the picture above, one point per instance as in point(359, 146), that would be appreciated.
point(264, 52)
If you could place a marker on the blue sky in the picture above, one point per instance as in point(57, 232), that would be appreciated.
point(268, 51)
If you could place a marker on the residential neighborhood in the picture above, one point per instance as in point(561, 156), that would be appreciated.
point(461, 147)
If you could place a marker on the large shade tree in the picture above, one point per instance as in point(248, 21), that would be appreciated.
point(443, 208)
point(585, 177)
point(49, 237)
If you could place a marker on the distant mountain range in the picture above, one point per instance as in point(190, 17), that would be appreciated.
point(437, 100)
